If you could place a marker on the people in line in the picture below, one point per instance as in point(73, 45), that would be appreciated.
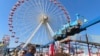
point(30, 50)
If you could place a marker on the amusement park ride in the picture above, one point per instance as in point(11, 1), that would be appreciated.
point(74, 29)
point(34, 16)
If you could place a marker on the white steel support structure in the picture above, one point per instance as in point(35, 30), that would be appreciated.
point(34, 32)
point(44, 20)
point(50, 29)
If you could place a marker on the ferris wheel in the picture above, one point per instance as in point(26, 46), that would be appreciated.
point(36, 20)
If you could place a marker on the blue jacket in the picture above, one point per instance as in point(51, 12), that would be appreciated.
point(29, 54)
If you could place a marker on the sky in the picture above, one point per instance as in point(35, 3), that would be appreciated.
point(4, 14)
point(90, 9)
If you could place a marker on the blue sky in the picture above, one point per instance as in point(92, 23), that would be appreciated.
point(4, 14)
point(87, 8)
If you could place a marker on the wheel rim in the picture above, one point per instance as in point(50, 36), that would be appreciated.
point(27, 14)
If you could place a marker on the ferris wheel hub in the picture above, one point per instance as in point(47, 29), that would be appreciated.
point(44, 18)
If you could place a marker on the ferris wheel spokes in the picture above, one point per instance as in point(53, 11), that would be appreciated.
point(36, 17)
point(50, 29)
point(34, 32)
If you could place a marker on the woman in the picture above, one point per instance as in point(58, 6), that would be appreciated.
point(22, 53)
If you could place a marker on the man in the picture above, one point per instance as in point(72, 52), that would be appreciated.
point(31, 50)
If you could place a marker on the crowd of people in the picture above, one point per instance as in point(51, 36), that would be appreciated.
point(28, 51)
point(31, 51)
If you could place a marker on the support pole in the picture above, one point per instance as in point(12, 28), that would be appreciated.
point(39, 50)
point(98, 54)
point(69, 46)
point(67, 39)
point(34, 32)
point(50, 29)
point(76, 49)
point(88, 45)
